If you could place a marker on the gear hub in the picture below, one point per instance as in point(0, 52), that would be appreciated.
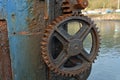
point(64, 52)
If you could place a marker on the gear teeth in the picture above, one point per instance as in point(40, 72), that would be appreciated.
point(43, 43)
point(82, 70)
point(47, 61)
point(66, 75)
point(44, 39)
point(68, 11)
point(98, 31)
point(95, 24)
point(49, 65)
point(99, 36)
point(60, 17)
point(73, 74)
point(43, 53)
point(81, 14)
point(88, 68)
point(62, 74)
point(50, 26)
point(86, 17)
point(93, 61)
point(57, 20)
point(100, 39)
point(46, 34)
point(59, 73)
point(100, 42)
point(54, 22)
point(97, 28)
point(98, 54)
point(70, 75)
point(48, 30)
point(66, 15)
point(45, 57)
point(89, 19)
point(95, 58)
point(66, 7)
point(44, 48)
point(92, 22)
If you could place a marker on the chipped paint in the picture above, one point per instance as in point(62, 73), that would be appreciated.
point(23, 25)
point(5, 61)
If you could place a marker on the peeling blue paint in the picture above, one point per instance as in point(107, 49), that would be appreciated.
point(20, 23)
point(24, 49)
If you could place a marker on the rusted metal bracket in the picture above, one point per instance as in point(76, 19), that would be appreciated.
point(5, 62)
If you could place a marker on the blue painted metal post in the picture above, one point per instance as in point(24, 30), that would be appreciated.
point(24, 39)
point(24, 20)
point(25, 24)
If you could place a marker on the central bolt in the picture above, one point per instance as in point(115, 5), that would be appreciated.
point(76, 46)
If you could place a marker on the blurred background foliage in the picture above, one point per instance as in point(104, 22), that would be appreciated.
point(98, 4)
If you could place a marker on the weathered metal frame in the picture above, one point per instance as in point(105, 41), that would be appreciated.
point(24, 24)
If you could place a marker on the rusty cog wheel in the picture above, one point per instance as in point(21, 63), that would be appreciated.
point(63, 46)
point(82, 4)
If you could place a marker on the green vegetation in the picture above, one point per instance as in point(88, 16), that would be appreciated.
point(97, 4)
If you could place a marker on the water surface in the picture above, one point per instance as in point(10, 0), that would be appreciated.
point(107, 65)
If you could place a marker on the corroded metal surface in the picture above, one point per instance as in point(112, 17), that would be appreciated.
point(81, 4)
point(25, 19)
point(5, 62)
point(66, 7)
point(64, 53)
point(74, 5)
point(25, 23)
point(53, 63)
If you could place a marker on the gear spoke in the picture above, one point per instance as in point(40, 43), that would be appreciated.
point(85, 55)
point(60, 38)
point(76, 60)
point(81, 31)
point(61, 59)
point(81, 58)
point(63, 33)
point(84, 35)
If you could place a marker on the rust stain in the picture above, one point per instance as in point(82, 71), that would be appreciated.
point(23, 33)
point(13, 17)
point(36, 20)
point(26, 33)
point(5, 62)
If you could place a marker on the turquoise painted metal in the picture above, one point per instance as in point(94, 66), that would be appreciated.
point(24, 21)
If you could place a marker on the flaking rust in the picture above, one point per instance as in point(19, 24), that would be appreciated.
point(5, 62)
point(65, 54)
